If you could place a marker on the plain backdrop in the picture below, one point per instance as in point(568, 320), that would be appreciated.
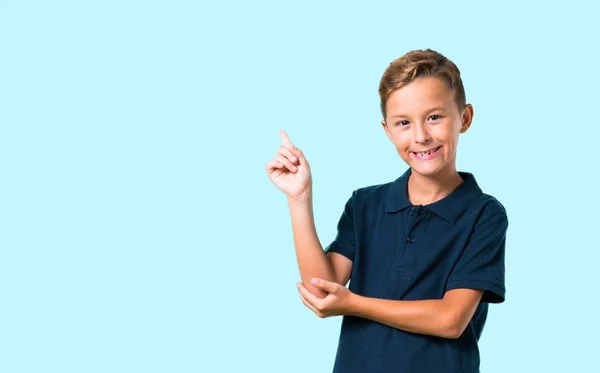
point(139, 231)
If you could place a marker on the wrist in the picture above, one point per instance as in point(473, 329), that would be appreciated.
point(302, 199)
point(355, 304)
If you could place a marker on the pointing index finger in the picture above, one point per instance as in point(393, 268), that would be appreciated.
point(285, 139)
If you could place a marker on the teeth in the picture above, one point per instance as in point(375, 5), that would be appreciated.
point(423, 154)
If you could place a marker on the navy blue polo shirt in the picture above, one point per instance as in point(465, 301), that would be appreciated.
point(413, 252)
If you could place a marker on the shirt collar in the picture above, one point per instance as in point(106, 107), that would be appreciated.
point(450, 207)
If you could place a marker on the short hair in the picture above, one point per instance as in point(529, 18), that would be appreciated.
point(420, 63)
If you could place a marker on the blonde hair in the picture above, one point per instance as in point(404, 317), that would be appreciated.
point(421, 63)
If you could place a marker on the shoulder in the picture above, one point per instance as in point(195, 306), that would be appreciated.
point(480, 203)
point(488, 204)
point(487, 209)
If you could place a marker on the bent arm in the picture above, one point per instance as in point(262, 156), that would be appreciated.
point(446, 318)
point(312, 260)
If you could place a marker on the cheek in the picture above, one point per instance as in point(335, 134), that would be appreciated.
point(449, 136)
point(402, 144)
point(451, 145)
point(401, 139)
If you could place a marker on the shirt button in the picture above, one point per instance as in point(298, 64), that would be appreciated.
point(410, 239)
point(411, 211)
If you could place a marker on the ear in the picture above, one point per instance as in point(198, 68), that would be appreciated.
point(386, 129)
point(466, 118)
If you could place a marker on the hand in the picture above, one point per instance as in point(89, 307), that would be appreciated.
point(337, 302)
point(289, 170)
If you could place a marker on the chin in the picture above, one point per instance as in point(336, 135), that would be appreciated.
point(427, 168)
point(425, 171)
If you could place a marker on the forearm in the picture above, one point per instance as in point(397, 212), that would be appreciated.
point(431, 317)
point(312, 261)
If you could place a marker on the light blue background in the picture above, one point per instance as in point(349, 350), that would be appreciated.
point(139, 231)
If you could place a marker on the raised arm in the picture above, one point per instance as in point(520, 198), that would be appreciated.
point(290, 172)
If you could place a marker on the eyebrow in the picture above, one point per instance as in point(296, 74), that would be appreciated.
point(428, 111)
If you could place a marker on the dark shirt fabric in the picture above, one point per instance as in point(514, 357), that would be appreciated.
point(403, 251)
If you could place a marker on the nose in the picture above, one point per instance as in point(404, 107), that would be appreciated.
point(421, 134)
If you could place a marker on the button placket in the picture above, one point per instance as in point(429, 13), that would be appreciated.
point(405, 256)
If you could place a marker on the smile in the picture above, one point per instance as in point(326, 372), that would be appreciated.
point(427, 154)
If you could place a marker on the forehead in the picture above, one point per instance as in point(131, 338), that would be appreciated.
point(420, 95)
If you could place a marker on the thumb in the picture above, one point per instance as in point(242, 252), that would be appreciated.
point(330, 287)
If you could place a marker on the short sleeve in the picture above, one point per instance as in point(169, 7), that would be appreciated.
point(481, 265)
point(343, 242)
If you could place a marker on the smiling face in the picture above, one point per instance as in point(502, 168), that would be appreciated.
point(423, 122)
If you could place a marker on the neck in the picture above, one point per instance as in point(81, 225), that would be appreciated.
point(424, 190)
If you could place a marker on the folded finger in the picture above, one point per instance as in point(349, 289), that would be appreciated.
point(286, 162)
point(272, 165)
point(310, 297)
point(307, 303)
point(287, 152)
point(298, 153)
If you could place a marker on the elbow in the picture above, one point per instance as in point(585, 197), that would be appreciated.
point(452, 327)
point(453, 332)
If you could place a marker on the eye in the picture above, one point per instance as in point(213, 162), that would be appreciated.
point(402, 123)
point(434, 117)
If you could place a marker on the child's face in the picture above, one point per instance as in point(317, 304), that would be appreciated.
point(423, 122)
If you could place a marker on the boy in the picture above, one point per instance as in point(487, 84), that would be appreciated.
point(424, 253)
